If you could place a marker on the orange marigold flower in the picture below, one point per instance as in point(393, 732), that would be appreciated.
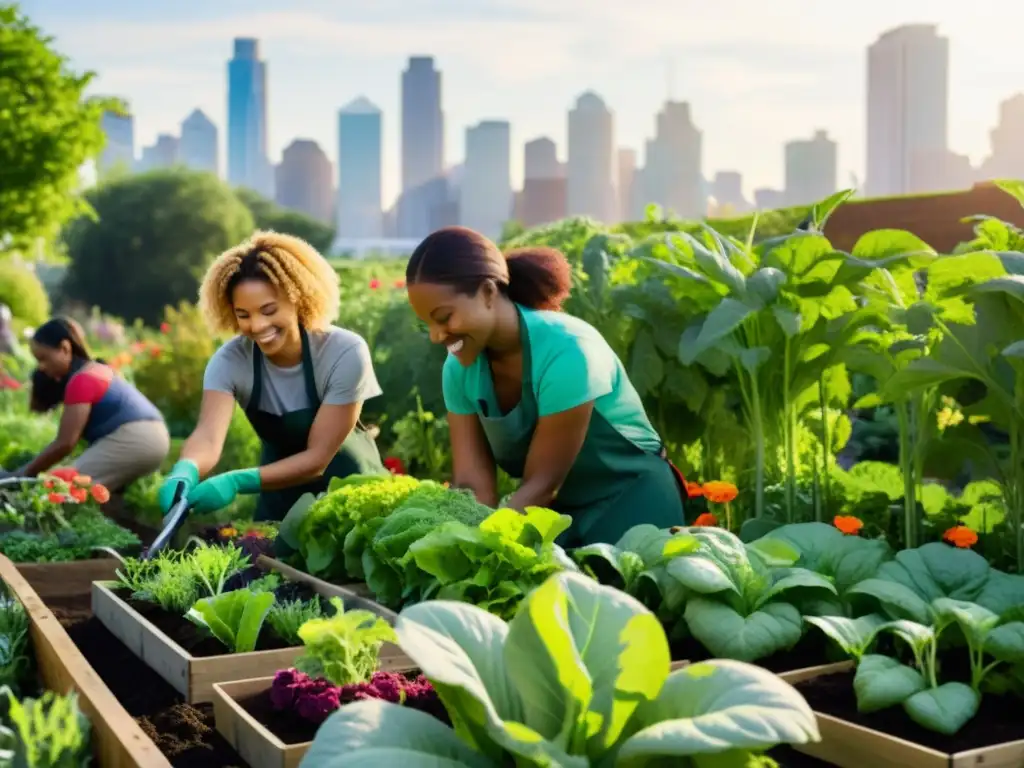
point(228, 532)
point(705, 519)
point(80, 495)
point(960, 536)
point(100, 493)
point(694, 490)
point(56, 498)
point(848, 524)
point(67, 474)
point(719, 491)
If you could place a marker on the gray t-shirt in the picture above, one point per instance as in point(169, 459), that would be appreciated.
point(342, 369)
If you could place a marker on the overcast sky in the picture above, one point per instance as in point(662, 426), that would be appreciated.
point(757, 73)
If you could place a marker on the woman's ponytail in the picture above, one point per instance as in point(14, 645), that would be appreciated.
point(538, 278)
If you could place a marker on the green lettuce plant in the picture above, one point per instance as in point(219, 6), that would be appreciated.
point(235, 618)
point(580, 677)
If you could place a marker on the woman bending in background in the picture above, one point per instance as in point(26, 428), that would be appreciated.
point(125, 433)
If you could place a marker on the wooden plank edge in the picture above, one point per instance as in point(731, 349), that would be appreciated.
point(890, 749)
point(349, 596)
point(119, 740)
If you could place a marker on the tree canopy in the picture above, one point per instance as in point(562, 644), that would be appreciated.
point(151, 241)
point(269, 215)
point(48, 129)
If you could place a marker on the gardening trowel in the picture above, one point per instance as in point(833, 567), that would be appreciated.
point(174, 520)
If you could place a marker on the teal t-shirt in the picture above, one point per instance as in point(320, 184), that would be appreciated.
point(571, 365)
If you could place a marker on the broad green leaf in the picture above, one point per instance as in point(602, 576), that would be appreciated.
point(752, 359)
point(795, 578)
point(714, 263)
point(881, 682)
point(916, 635)
point(584, 657)
point(1006, 642)
point(716, 707)
point(788, 320)
point(700, 574)
point(677, 270)
point(1014, 350)
point(945, 709)
point(460, 648)
point(776, 553)
point(974, 620)
point(823, 210)
point(854, 636)
point(725, 633)
point(889, 244)
point(1013, 187)
point(646, 369)
point(766, 283)
point(722, 321)
point(796, 253)
point(395, 735)
point(898, 600)
point(921, 374)
point(1011, 286)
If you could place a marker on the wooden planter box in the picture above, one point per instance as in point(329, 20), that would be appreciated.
point(118, 741)
point(848, 745)
point(255, 743)
point(64, 580)
point(192, 676)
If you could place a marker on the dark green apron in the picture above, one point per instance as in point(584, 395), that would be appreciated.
point(288, 434)
point(613, 484)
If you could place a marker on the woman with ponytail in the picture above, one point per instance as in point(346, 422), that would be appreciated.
point(126, 434)
point(538, 392)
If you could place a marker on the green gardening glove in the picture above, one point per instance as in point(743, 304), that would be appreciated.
point(184, 474)
point(217, 492)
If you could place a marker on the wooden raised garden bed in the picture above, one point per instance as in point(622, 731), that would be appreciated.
point(118, 741)
point(50, 580)
point(848, 744)
point(191, 675)
point(240, 705)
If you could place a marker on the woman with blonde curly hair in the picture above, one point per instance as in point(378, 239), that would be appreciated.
point(301, 380)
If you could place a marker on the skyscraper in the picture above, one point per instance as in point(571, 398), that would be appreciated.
point(164, 153)
point(673, 175)
point(248, 165)
point(304, 180)
point(485, 195)
point(543, 197)
point(360, 160)
point(908, 104)
point(1007, 158)
point(119, 150)
point(422, 146)
point(626, 170)
point(590, 188)
point(810, 167)
point(198, 148)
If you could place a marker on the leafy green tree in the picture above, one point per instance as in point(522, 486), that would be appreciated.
point(47, 131)
point(21, 290)
point(152, 239)
point(269, 215)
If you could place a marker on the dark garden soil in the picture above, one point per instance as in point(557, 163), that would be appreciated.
point(185, 733)
point(809, 652)
point(998, 720)
point(287, 726)
point(196, 640)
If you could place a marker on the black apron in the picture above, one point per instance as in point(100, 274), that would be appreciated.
point(287, 434)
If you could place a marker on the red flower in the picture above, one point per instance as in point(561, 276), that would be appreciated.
point(154, 352)
point(67, 474)
point(705, 519)
point(694, 490)
point(848, 524)
point(100, 493)
point(7, 382)
point(165, 327)
point(399, 283)
point(960, 536)
point(394, 465)
point(374, 284)
point(81, 495)
point(57, 498)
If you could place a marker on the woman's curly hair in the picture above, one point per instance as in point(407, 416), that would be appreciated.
point(289, 263)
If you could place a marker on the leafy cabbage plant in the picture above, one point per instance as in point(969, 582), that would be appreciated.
point(905, 587)
point(883, 681)
point(640, 563)
point(345, 647)
point(580, 677)
point(235, 618)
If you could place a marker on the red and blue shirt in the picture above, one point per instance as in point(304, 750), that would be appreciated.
point(114, 401)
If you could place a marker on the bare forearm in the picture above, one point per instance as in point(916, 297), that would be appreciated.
point(534, 492)
point(300, 468)
point(50, 455)
point(203, 452)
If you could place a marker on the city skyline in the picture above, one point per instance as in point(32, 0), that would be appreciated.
point(749, 96)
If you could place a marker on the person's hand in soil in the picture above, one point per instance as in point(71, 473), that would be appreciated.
point(217, 492)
